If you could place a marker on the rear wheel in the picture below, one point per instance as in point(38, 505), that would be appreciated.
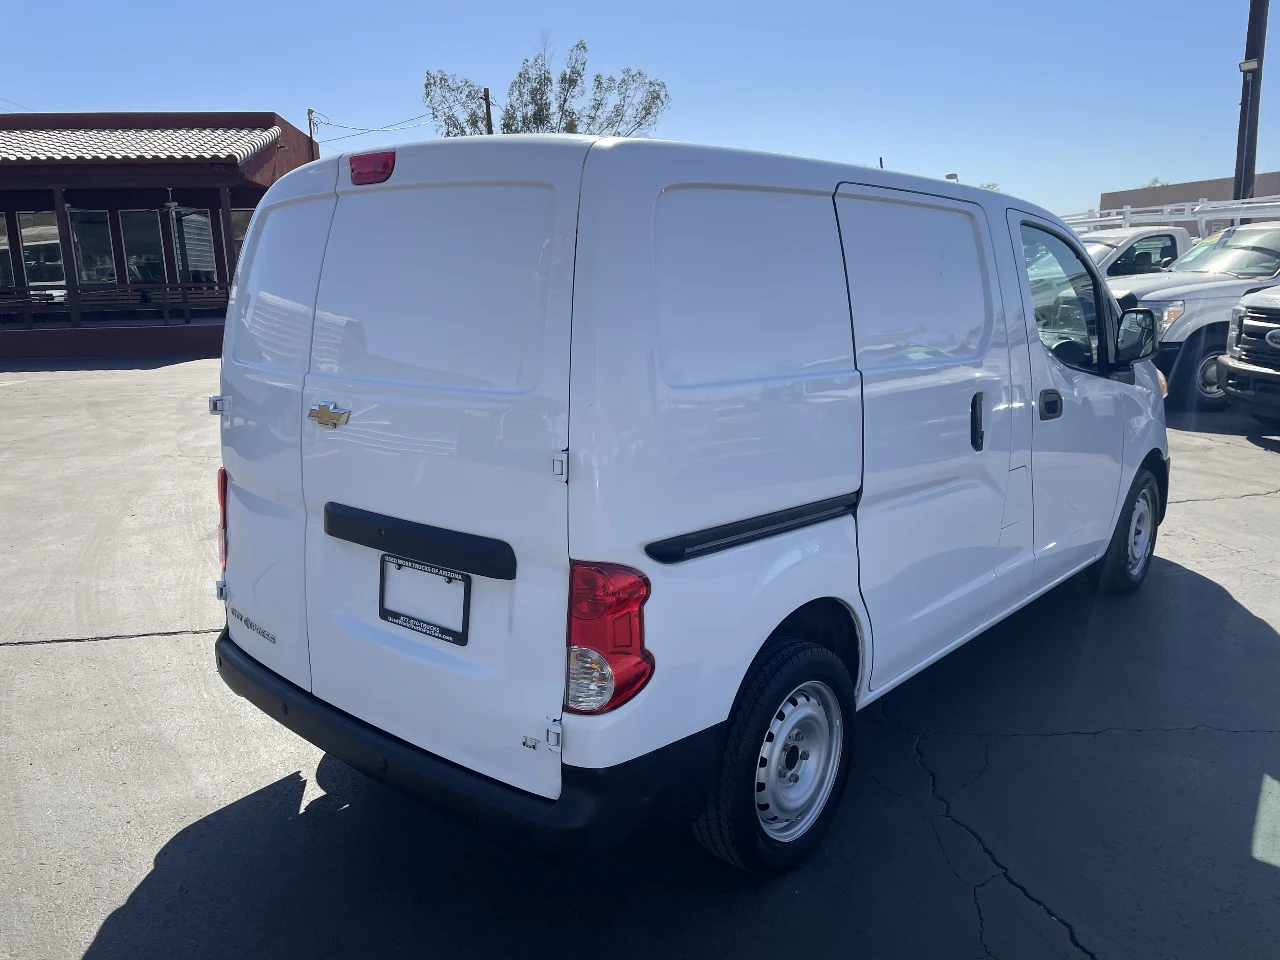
point(786, 759)
point(1128, 558)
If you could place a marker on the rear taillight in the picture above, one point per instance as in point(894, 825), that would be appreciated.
point(222, 516)
point(607, 662)
point(372, 167)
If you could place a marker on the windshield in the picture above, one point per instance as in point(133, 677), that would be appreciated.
point(1240, 253)
point(1097, 249)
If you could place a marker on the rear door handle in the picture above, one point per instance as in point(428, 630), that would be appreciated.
point(976, 435)
point(1050, 404)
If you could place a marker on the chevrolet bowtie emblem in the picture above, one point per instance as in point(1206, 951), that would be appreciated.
point(328, 414)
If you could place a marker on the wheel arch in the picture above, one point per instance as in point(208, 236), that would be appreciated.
point(1159, 467)
point(1194, 344)
point(828, 622)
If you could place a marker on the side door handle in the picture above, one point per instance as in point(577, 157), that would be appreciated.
point(1050, 404)
point(976, 435)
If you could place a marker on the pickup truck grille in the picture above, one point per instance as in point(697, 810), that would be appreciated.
point(1252, 346)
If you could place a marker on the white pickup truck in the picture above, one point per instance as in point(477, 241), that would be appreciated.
point(1193, 301)
point(1126, 251)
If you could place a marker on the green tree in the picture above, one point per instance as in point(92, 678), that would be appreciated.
point(539, 100)
point(1154, 182)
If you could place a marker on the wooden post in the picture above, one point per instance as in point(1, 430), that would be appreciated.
point(68, 256)
point(488, 113)
point(15, 251)
point(117, 248)
point(228, 233)
point(218, 235)
point(15, 257)
point(170, 258)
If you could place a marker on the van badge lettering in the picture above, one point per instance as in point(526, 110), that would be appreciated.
point(251, 625)
point(328, 414)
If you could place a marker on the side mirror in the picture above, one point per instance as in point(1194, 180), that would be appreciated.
point(1136, 338)
point(1166, 263)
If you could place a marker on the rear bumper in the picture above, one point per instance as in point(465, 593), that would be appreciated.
point(596, 807)
point(1250, 386)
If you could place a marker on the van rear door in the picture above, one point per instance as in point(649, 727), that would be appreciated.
point(436, 420)
point(265, 355)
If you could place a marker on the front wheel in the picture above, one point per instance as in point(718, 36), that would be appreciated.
point(786, 759)
point(1198, 388)
point(1128, 558)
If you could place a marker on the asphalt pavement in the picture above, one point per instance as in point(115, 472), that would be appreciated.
point(1093, 777)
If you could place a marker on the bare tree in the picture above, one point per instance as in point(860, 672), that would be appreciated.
point(541, 101)
point(989, 185)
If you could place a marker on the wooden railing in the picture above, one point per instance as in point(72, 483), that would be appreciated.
point(103, 303)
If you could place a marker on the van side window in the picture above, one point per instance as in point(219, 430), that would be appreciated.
point(1066, 298)
point(948, 315)
point(749, 286)
point(1145, 256)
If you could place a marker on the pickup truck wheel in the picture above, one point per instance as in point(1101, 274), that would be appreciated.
point(1128, 558)
point(1198, 387)
point(786, 759)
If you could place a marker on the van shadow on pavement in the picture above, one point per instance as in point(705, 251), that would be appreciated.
point(1106, 753)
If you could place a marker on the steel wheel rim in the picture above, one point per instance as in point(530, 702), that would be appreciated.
point(799, 760)
point(1141, 532)
point(1207, 378)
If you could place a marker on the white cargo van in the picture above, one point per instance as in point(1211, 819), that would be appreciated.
point(571, 482)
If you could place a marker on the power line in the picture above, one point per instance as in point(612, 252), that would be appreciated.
point(408, 124)
point(17, 104)
point(398, 125)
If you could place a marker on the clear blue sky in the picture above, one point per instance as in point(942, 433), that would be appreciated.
point(1056, 101)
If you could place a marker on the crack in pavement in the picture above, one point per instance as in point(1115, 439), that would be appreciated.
point(1227, 496)
point(945, 800)
point(975, 887)
point(116, 636)
point(986, 762)
point(977, 905)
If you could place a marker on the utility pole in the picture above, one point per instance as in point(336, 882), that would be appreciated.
point(311, 132)
point(1250, 95)
point(488, 112)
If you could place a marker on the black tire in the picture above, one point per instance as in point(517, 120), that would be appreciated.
point(1266, 421)
point(1191, 391)
point(730, 826)
point(1116, 571)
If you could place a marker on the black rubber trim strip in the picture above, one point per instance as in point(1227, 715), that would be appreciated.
point(700, 543)
point(464, 552)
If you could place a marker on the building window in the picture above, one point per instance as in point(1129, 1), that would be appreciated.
point(239, 227)
point(143, 248)
point(91, 240)
point(41, 252)
point(193, 245)
point(6, 260)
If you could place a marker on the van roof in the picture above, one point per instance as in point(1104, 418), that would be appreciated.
point(785, 169)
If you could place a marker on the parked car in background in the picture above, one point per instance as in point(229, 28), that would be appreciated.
point(1193, 301)
point(1129, 251)
point(1250, 369)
